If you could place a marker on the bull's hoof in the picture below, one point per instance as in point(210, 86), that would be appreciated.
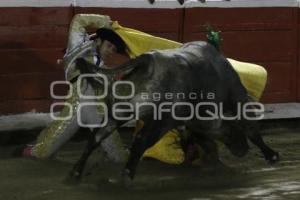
point(273, 158)
point(126, 179)
point(74, 178)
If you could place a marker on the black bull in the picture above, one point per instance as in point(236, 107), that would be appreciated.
point(196, 68)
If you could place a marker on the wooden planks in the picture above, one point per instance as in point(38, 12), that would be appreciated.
point(21, 106)
point(298, 62)
point(27, 86)
point(161, 22)
point(30, 16)
point(257, 35)
point(19, 61)
point(32, 39)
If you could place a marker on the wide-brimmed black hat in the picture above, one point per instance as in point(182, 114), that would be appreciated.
point(111, 36)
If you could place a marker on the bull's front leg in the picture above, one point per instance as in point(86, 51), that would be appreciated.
point(255, 137)
point(251, 128)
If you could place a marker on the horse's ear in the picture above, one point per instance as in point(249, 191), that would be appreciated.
point(151, 1)
point(181, 2)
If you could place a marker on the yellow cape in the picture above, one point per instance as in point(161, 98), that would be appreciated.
point(139, 42)
point(168, 150)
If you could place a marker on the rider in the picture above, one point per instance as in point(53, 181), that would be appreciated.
point(101, 46)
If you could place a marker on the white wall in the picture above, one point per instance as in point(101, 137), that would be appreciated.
point(146, 4)
point(244, 3)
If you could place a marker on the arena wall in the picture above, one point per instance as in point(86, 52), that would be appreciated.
point(34, 33)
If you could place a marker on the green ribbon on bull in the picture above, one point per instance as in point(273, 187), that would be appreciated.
point(213, 37)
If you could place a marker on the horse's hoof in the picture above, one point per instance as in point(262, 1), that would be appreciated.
point(274, 158)
point(72, 179)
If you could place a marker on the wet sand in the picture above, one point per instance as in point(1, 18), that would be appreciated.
point(249, 177)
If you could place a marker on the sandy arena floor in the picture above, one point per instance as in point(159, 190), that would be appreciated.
point(244, 178)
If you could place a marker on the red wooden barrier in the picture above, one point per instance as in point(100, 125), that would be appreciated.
point(265, 36)
point(31, 39)
point(161, 22)
point(298, 50)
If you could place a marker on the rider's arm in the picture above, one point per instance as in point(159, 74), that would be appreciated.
point(78, 35)
point(79, 25)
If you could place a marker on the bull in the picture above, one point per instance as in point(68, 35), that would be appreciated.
point(194, 68)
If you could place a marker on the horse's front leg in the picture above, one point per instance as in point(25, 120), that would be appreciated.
point(136, 151)
point(76, 173)
point(98, 135)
